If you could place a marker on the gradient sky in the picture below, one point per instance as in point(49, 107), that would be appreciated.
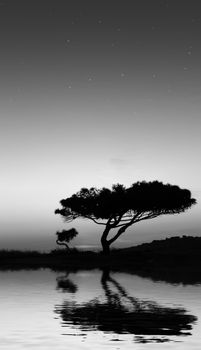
point(94, 93)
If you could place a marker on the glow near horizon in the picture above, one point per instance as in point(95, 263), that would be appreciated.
point(38, 176)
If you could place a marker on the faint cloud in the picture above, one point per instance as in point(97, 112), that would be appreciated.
point(118, 162)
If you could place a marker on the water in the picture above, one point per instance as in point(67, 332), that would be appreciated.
point(109, 310)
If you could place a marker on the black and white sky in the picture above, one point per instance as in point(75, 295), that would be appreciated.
point(94, 93)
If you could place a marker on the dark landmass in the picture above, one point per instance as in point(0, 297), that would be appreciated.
point(175, 259)
point(170, 252)
point(182, 254)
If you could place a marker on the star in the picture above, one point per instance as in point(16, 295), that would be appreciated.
point(189, 50)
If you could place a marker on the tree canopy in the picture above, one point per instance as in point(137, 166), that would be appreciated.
point(121, 207)
point(65, 236)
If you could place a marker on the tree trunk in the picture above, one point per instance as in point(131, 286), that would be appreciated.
point(64, 244)
point(106, 248)
point(104, 241)
point(107, 242)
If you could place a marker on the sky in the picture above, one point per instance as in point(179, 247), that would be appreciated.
point(94, 93)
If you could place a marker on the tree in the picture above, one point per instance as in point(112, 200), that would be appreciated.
point(65, 236)
point(121, 207)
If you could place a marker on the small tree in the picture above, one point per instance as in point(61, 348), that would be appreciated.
point(64, 237)
point(121, 207)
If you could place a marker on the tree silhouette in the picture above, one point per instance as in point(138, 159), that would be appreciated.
point(65, 236)
point(121, 207)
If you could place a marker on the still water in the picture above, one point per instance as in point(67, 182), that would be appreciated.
point(107, 310)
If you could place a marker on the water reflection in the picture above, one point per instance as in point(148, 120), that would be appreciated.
point(66, 285)
point(189, 276)
point(121, 313)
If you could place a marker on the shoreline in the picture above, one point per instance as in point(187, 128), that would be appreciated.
point(176, 259)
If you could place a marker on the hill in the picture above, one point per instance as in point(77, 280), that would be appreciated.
point(173, 245)
point(176, 253)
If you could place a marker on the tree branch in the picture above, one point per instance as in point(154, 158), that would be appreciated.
point(138, 217)
point(151, 216)
point(127, 221)
point(116, 221)
point(69, 219)
point(65, 244)
point(94, 220)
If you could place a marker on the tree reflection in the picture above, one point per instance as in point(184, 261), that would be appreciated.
point(121, 313)
point(66, 285)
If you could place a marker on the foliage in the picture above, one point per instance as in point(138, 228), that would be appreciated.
point(65, 236)
point(121, 207)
